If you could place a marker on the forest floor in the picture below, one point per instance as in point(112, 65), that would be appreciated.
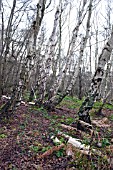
point(28, 134)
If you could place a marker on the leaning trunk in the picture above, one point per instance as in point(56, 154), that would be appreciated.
point(96, 82)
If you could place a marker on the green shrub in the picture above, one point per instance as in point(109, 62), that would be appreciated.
point(3, 135)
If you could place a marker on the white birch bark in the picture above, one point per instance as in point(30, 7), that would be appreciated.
point(73, 40)
point(56, 98)
point(34, 30)
point(52, 45)
point(1, 44)
point(49, 57)
point(1, 14)
point(62, 74)
point(96, 82)
point(96, 49)
point(82, 48)
point(107, 78)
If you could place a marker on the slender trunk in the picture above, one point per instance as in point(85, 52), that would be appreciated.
point(61, 78)
point(96, 49)
point(33, 37)
point(90, 54)
point(35, 28)
point(6, 46)
point(80, 84)
point(106, 94)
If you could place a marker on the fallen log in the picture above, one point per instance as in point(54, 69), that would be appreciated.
point(77, 130)
point(72, 150)
point(31, 103)
point(69, 127)
point(78, 144)
point(101, 123)
point(74, 144)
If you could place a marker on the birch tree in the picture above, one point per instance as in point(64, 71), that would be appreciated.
point(5, 45)
point(19, 81)
point(96, 82)
point(12, 44)
point(35, 28)
point(57, 98)
point(106, 91)
point(1, 43)
point(61, 78)
point(32, 39)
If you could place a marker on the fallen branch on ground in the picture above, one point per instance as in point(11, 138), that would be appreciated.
point(77, 130)
point(69, 127)
point(31, 103)
point(101, 123)
point(75, 142)
point(50, 151)
point(78, 146)
point(71, 151)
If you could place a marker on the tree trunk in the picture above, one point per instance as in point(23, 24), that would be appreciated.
point(80, 84)
point(96, 82)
